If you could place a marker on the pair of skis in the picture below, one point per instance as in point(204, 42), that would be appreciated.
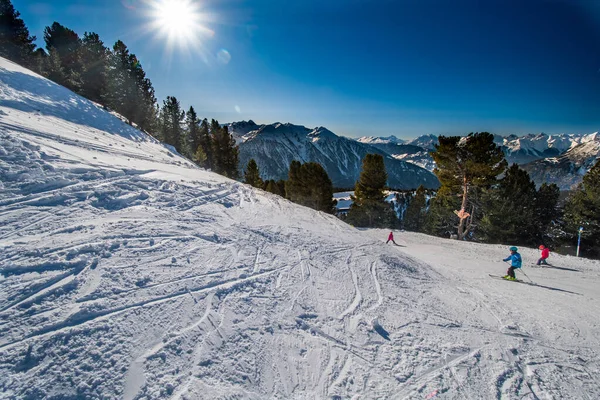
point(504, 279)
point(514, 280)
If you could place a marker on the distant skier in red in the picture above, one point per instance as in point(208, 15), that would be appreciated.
point(545, 255)
point(391, 237)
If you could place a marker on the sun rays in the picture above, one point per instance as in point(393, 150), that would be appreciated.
point(181, 24)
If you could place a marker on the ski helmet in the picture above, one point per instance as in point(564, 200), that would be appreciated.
point(513, 248)
point(541, 247)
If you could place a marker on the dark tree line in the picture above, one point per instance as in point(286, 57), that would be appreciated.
point(115, 79)
point(308, 184)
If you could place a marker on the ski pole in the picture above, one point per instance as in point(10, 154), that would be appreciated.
point(521, 269)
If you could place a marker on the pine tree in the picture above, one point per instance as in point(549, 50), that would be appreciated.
point(130, 93)
point(53, 67)
point(318, 188)
point(295, 189)
point(121, 84)
point(200, 156)
point(217, 156)
point(414, 219)
point(206, 143)
point(38, 61)
point(252, 175)
point(309, 185)
point(193, 141)
point(171, 122)
point(15, 42)
point(547, 213)
point(271, 187)
point(67, 45)
point(94, 58)
point(583, 210)
point(145, 107)
point(225, 152)
point(464, 165)
point(510, 210)
point(280, 184)
point(440, 219)
point(369, 207)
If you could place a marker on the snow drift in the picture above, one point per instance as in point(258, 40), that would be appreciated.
point(127, 272)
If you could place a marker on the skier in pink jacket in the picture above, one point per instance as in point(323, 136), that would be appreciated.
point(391, 237)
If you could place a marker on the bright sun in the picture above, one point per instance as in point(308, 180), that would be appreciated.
point(180, 22)
point(176, 17)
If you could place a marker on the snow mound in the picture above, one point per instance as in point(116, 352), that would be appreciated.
point(128, 273)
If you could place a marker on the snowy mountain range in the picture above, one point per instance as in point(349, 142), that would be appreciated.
point(562, 159)
point(274, 146)
point(126, 272)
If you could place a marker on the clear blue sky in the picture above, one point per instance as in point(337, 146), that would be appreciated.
point(358, 67)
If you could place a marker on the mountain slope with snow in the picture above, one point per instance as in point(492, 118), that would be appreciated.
point(562, 159)
point(128, 273)
point(568, 169)
point(275, 146)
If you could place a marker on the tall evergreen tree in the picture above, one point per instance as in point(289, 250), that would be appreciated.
point(94, 58)
point(440, 219)
point(206, 143)
point(369, 207)
point(145, 111)
point(15, 42)
point(38, 62)
point(252, 175)
point(275, 187)
point(414, 219)
point(193, 138)
point(217, 156)
point(583, 210)
point(53, 67)
point(225, 152)
point(271, 187)
point(309, 185)
point(200, 156)
point(547, 213)
point(295, 189)
point(130, 93)
point(510, 210)
point(280, 184)
point(120, 81)
point(464, 165)
point(171, 122)
point(318, 187)
point(67, 45)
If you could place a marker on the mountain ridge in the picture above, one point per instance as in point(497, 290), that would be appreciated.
point(274, 146)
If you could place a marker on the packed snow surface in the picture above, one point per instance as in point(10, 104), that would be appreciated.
point(128, 273)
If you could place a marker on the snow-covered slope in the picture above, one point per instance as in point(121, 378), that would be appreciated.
point(275, 146)
point(562, 159)
point(568, 169)
point(127, 273)
point(427, 142)
point(380, 140)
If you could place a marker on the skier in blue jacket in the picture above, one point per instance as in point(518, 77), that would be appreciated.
point(515, 262)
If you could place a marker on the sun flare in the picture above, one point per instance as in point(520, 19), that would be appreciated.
point(180, 22)
point(176, 17)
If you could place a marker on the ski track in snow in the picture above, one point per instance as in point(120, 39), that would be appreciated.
point(357, 296)
point(128, 273)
